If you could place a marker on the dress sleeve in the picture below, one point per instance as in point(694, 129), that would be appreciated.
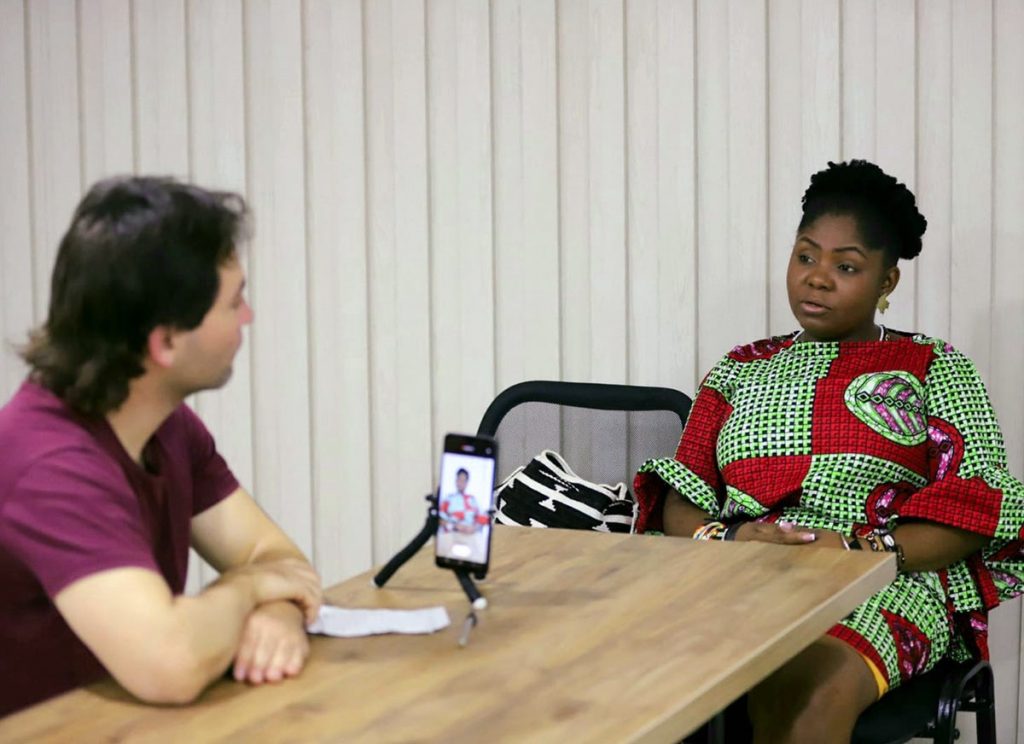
point(969, 486)
point(693, 472)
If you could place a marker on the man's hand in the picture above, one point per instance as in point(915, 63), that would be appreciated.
point(288, 579)
point(274, 644)
point(782, 533)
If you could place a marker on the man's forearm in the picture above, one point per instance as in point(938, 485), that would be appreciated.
point(162, 648)
point(207, 630)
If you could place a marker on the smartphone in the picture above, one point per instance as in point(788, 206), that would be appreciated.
point(465, 503)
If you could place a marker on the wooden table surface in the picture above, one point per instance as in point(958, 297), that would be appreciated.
point(588, 637)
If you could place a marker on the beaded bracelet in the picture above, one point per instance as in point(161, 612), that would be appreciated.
point(880, 540)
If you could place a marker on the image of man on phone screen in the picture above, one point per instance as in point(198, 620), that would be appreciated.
point(462, 522)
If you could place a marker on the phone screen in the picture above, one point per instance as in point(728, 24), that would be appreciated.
point(465, 502)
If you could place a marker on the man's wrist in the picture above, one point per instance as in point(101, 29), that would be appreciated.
point(286, 607)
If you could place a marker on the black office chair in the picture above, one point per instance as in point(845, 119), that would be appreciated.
point(926, 707)
point(637, 422)
point(605, 431)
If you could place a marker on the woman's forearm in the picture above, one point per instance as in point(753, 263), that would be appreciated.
point(929, 547)
point(679, 516)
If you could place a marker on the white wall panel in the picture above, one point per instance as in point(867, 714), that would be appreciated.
point(106, 85)
point(338, 304)
point(593, 197)
point(398, 246)
point(16, 252)
point(526, 204)
point(1007, 328)
point(159, 50)
point(277, 267)
point(54, 133)
point(971, 177)
point(461, 229)
point(732, 157)
point(453, 196)
point(527, 317)
point(592, 163)
point(934, 169)
point(661, 208)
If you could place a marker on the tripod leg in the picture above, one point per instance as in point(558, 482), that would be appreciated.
point(477, 601)
point(407, 552)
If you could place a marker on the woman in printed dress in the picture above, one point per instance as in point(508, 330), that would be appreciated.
point(849, 435)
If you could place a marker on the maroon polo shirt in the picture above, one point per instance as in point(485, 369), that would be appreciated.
point(73, 503)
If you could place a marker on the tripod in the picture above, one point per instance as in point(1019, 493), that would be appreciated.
point(476, 600)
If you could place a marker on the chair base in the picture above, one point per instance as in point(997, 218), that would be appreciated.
point(910, 711)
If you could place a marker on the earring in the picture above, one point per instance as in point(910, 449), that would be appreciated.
point(883, 303)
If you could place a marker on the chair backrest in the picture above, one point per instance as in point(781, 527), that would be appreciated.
point(604, 431)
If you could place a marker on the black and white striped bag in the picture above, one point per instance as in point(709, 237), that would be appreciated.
point(547, 493)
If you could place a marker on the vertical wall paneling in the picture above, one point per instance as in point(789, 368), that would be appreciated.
point(804, 127)
point(54, 121)
point(161, 87)
point(746, 241)
point(461, 250)
point(715, 307)
point(339, 346)
point(661, 215)
point(859, 79)
point(1007, 329)
point(399, 269)
point(934, 159)
point(731, 175)
point(787, 176)
point(215, 117)
point(16, 254)
point(821, 80)
point(524, 94)
point(277, 267)
point(592, 144)
point(896, 128)
point(526, 217)
point(660, 146)
point(592, 162)
point(105, 75)
point(971, 225)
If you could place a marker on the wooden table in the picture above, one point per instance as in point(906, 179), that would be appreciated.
point(588, 637)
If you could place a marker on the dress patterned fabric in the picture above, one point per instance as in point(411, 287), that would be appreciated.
point(850, 436)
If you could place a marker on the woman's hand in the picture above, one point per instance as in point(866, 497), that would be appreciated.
point(827, 539)
point(782, 533)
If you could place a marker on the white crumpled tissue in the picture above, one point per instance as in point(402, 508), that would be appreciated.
point(343, 622)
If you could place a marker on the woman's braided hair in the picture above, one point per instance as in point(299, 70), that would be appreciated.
point(885, 209)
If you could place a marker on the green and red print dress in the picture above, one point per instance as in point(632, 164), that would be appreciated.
point(850, 436)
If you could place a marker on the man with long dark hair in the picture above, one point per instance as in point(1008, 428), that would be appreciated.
point(107, 477)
